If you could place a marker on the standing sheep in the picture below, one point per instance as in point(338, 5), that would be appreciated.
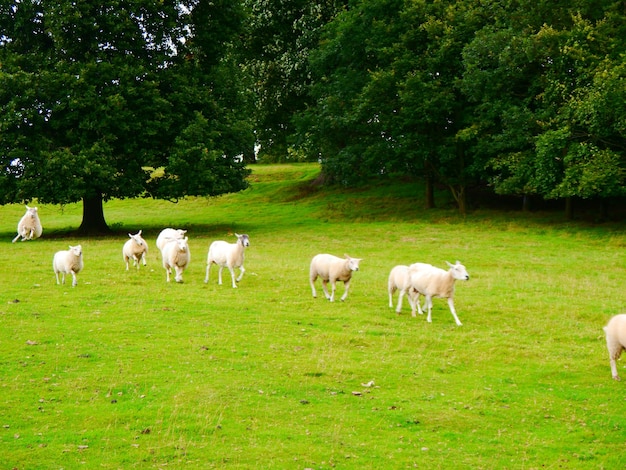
point(29, 227)
point(332, 269)
point(399, 279)
point(167, 235)
point(615, 332)
point(68, 262)
point(136, 249)
point(176, 255)
point(435, 282)
point(228, 255)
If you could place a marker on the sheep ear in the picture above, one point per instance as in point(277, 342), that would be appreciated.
point(139, 233)
point(237, 235)
point(346, 255)
point(130, 235)
point(449, 264)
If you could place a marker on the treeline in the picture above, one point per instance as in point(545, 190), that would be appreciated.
point(523, 98)
point(512, 97)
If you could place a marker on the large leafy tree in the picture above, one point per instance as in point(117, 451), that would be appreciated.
point(95, 96)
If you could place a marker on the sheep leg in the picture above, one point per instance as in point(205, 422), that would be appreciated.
point(401, 293)
point(74, 280)
point(429, 305)
point(615, 351)
point(143, 258)
point(451, 305)
point(219, 275)
point(391, 290)
point(179, 274)
point(206, 277)
point(56, 274)
point(241, 271)
point(15, 239)
point(413, 298)
point(312, 282)
point(346, 285)
point(167, 274)
point(126, 261)
point(232, 276)
point(325, 288)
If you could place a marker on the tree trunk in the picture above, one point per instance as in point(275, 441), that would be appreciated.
point(526, 203)
point(93, 216)
point(430, 193)
point(569, 208)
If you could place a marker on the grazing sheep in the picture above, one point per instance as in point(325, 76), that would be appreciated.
point(332, 269)
point(169, 234)
point(136, 249)
point(176, 255)
point(615, 331)
point(29, 226)
point(399, 279)
point(228, 255)
point(435, 282)
point(68, 262)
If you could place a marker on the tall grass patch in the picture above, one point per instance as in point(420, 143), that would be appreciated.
point(127, 371)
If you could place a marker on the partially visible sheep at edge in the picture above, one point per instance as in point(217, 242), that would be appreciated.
point(615, 332)
point(332, 269)
point(436, 282)
point(29, 227)
point(176, 256)
point(169, 234)
point(229, 255)
point(68, 262)
point(399, 279)
point(136, 249)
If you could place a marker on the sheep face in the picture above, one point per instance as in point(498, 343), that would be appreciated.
point(137, 238)
point(243, 239)
point(458, 271)
point(353, 263)
point(76, 250)
point(31, 212)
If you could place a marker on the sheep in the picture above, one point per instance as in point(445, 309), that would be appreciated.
point(176, 255)
point(615, 332)
point(169, 234)
point(435, 282)
point(228, 255)
point(68, 262)
point(29, 226)
point(136, 249)
point(332, 269)
point(399, 278)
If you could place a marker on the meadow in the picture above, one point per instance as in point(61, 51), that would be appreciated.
point(126, 371)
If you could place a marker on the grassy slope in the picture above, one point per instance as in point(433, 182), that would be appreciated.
point(125, 371)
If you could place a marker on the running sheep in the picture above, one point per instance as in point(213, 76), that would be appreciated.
point(230, 255)
point(167, 235)
point(332, 269)
point(615, 332)
point(399, 279)
point(68, 262)
point(136, 249)
point(435, 282)
point(175, 254)
point(29, 227)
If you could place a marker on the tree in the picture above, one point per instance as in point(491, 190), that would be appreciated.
point(94, 97)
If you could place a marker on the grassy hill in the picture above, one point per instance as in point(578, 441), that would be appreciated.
point(126, 371)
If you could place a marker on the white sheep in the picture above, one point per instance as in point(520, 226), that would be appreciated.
point(136, 249)
point(399, 279)
point(29, 227)
point(68, 262)
point(332, 269)
point(228, 255)
point(615, 332)
point(435, 282)
point(176, 255)
point(169, 234)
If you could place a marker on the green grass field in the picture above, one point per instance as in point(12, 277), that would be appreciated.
point(125, 371)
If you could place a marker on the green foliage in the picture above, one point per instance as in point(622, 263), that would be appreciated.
point(108, 90)
point(126, 371)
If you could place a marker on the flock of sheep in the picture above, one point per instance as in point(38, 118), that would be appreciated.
point(415, 280)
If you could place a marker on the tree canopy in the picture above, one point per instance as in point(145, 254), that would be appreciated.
point(94, 97)
point(521, 98)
